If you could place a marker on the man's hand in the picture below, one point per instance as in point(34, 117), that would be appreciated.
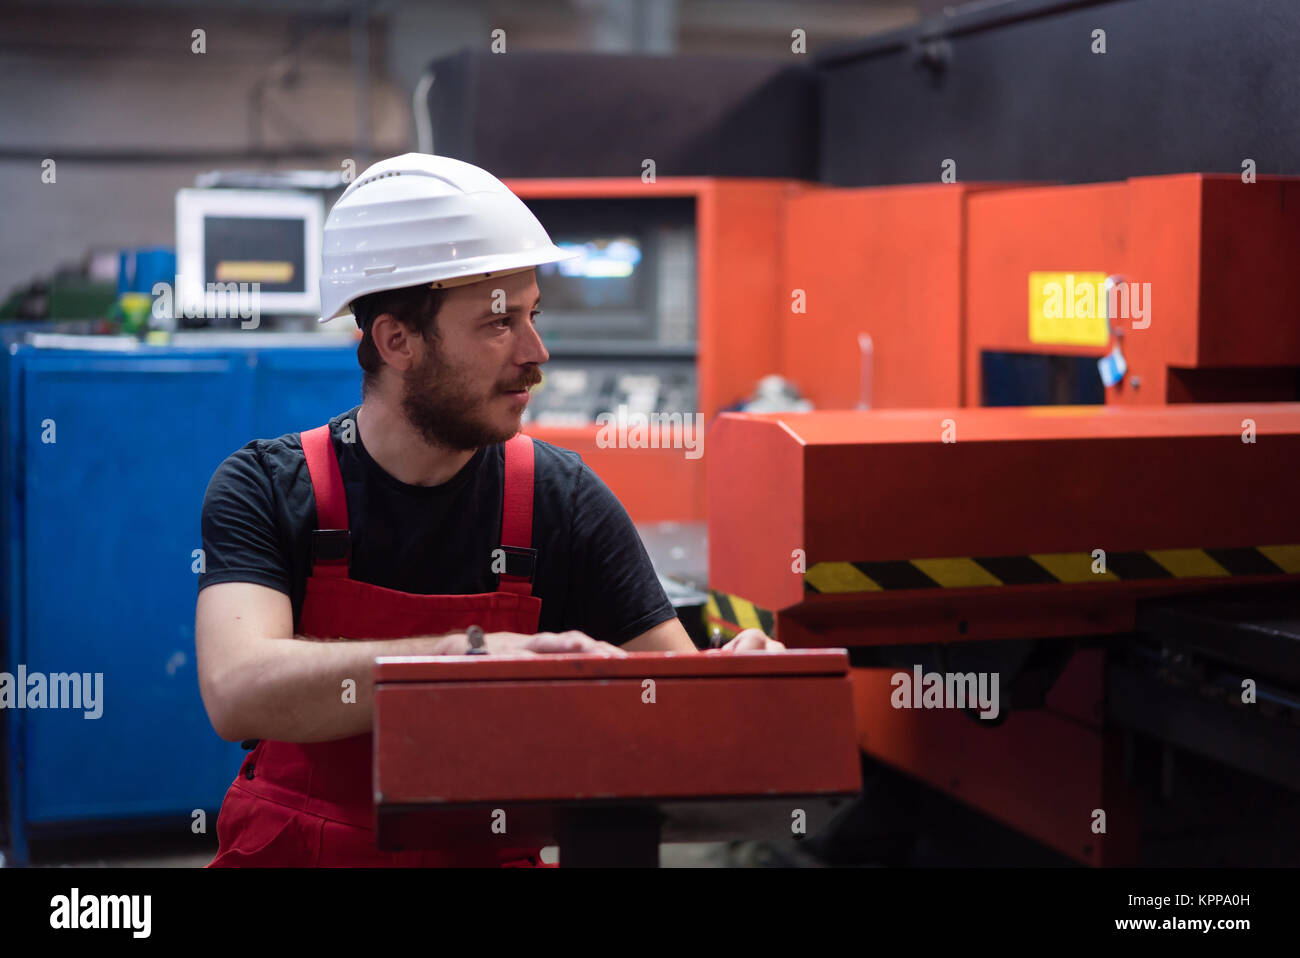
point(752, 640)
point(512, 643)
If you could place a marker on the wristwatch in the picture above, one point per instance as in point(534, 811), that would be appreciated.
point(475, 636)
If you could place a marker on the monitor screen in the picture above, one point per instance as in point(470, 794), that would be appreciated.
point(633, 280)
point(606, 274)
point(270, 251)
point(263, 240)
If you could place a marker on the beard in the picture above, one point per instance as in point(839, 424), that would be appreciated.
point(441, 403)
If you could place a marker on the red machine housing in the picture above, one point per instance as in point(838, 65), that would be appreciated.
point(739, 224)
point(904, 527)
point(1032, 482)
point(694, 736)
point(1218, 255)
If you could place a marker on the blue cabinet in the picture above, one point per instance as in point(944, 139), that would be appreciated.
point(106, 460)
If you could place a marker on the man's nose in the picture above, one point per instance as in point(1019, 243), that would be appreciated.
point(531, 347)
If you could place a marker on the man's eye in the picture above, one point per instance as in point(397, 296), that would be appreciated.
point(505, 319)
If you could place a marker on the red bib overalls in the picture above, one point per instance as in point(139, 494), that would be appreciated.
point(303, 805)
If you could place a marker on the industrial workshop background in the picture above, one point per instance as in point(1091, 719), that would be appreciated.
point(834, 231)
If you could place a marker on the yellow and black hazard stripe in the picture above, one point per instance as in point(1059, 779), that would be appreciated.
point(730, 614)
point(1049, 567)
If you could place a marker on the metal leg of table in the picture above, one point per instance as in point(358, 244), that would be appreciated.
point(610, 838)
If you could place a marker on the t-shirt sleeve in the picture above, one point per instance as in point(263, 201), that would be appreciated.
point(241, 542)
point(617, 594)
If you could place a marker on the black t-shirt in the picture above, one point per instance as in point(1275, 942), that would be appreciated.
point(592, 572)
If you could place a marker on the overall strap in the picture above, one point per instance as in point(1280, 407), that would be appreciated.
point(517, 517)
point(331, 543)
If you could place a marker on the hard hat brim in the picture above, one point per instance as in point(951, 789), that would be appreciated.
point(465, 276)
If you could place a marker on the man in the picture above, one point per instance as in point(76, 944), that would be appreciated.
point(405, 523)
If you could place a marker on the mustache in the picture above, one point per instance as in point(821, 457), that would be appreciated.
point(531, 379)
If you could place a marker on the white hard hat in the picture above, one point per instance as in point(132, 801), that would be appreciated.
point(419, 218)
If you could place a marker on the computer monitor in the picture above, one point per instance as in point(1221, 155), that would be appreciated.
point(605, 273)
point(268, 237)
point(618, 319)
point(634, 278)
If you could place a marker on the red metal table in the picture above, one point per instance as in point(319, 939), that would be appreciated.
point(607, 756)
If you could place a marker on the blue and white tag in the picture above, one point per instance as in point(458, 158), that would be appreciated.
point(1112, 367)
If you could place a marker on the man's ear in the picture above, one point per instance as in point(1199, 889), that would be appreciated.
point(394, 342)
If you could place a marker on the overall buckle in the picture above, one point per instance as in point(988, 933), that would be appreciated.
point(331, 545)
point(520, 562)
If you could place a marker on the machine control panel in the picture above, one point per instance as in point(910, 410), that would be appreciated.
point(576, 393)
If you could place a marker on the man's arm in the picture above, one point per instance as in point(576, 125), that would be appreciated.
point(614, 584)
point(671, 636)
point(260, 681)
point(667, 636)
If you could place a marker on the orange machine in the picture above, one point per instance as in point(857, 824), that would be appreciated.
point(1202, 266)
point(738, 227)
point(790, 274)
point(938, 275)
point(887, 262)
point(609, 756)
point(910, 532)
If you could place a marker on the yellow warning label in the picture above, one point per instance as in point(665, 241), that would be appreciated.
point(254, 271)
point(1068, 309)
